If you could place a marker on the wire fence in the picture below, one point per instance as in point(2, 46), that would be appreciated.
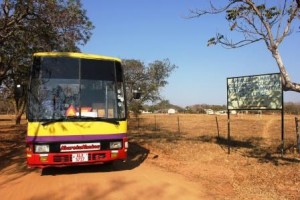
point(258, 128)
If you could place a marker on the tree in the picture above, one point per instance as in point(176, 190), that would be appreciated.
point(292, 108)
point(37, 25)
point(258, 21)
point(149, 79)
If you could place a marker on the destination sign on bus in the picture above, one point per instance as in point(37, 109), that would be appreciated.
point(79, 147)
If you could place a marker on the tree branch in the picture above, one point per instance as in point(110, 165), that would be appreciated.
point(198, 13)
point(289, 21)
point(264, 22)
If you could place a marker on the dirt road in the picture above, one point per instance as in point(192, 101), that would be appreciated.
point(97, 182)
point(134, 179)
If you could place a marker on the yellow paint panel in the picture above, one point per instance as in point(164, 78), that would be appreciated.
point(75, 128)
point(76, 55)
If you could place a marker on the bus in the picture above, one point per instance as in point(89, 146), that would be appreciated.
point(76, 110)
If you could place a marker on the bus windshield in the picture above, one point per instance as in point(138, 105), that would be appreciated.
point(63, 88)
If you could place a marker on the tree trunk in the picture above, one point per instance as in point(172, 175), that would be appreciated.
point(18, 119)
point(287, 84)
point(19, 109)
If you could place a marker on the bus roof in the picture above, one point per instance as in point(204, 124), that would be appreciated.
point(76, 55)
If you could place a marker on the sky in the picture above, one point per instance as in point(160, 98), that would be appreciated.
point(158, 29)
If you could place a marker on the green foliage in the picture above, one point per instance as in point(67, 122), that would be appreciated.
point(271, 12)
point(200, 108)
point(292, 108)
point(135, 107)
point(162, 107)
point(34, 26)
point(241, 11)
point(215, 40)
point(149, 79)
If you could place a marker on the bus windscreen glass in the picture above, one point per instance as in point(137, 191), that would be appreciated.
point(64, 88)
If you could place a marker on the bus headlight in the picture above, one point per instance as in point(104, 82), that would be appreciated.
point(115, 145)
point(41, 148)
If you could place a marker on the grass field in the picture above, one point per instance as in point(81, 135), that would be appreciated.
point(196, 146)
point(262, 130)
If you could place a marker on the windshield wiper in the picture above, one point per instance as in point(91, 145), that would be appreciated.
point(83, 118)
point(108, 120)
point(50, 121)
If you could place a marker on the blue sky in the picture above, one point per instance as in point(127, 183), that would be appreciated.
point(154, 30)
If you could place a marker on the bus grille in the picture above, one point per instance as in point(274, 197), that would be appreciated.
point(63, 158)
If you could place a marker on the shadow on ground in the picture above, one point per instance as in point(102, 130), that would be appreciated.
point(253, 147)
point(13, 156)
point(13, 160)
point(136, 156)
point(12, 146)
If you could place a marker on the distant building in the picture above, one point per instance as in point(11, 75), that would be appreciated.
point(145, 112)
point(209, 111)
point(234, 112)
point(221, 112)
point(171, 111)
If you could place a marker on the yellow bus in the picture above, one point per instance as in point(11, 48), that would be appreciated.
point(76, 110)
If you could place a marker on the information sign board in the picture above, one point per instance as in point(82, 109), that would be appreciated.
point(254, 92)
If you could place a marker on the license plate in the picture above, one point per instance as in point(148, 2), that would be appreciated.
point(80, 157)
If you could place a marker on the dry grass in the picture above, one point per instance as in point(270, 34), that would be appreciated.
point(197, 147)
point(265, 129)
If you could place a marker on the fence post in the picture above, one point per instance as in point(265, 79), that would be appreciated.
point(297, 134)
point(178, 125)
point(218, 127)
point(154, 122)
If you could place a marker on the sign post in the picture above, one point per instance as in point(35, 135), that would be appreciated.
point(297, 134)
point(255, 92)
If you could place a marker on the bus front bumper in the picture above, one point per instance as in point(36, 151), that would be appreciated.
point(74, 158)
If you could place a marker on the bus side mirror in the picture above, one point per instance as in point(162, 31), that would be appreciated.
point(19, 91)
point(136, 94)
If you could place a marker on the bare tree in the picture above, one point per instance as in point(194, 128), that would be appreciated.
point(260, 20)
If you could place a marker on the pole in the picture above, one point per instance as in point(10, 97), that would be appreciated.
point(154, 122)
point(282, 126)
point(228, 130)
point(297, 134)
point(218, 127)
point(178, 124)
